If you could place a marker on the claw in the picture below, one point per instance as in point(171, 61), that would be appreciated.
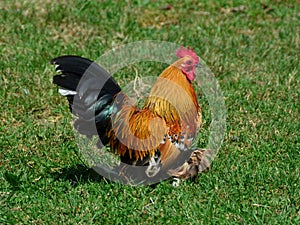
point(197, 163)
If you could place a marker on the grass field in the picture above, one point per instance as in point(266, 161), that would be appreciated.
point(253, 49)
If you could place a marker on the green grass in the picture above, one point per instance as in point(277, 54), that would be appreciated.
point(253, 52)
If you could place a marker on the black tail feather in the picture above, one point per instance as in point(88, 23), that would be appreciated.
point(67, 81)
point(90, 91)
point(70, 64)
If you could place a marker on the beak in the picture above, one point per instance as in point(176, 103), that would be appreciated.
point(199, 65)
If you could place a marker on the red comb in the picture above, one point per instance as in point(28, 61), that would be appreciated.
point(182, 51)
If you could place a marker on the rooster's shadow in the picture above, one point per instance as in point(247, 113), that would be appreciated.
point(78, 174)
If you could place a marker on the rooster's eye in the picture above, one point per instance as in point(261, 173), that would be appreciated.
point(189, 62)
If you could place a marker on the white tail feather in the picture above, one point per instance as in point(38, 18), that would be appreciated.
point(65, 92)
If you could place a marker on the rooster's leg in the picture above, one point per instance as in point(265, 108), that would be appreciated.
point(154, 165)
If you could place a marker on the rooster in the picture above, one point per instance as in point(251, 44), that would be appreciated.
point(156, 137)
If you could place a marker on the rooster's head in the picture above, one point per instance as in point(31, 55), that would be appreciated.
point(188, 61)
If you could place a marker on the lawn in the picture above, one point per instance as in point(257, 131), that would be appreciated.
point(252, 47)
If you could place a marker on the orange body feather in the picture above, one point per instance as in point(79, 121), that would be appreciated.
point(170, 110)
